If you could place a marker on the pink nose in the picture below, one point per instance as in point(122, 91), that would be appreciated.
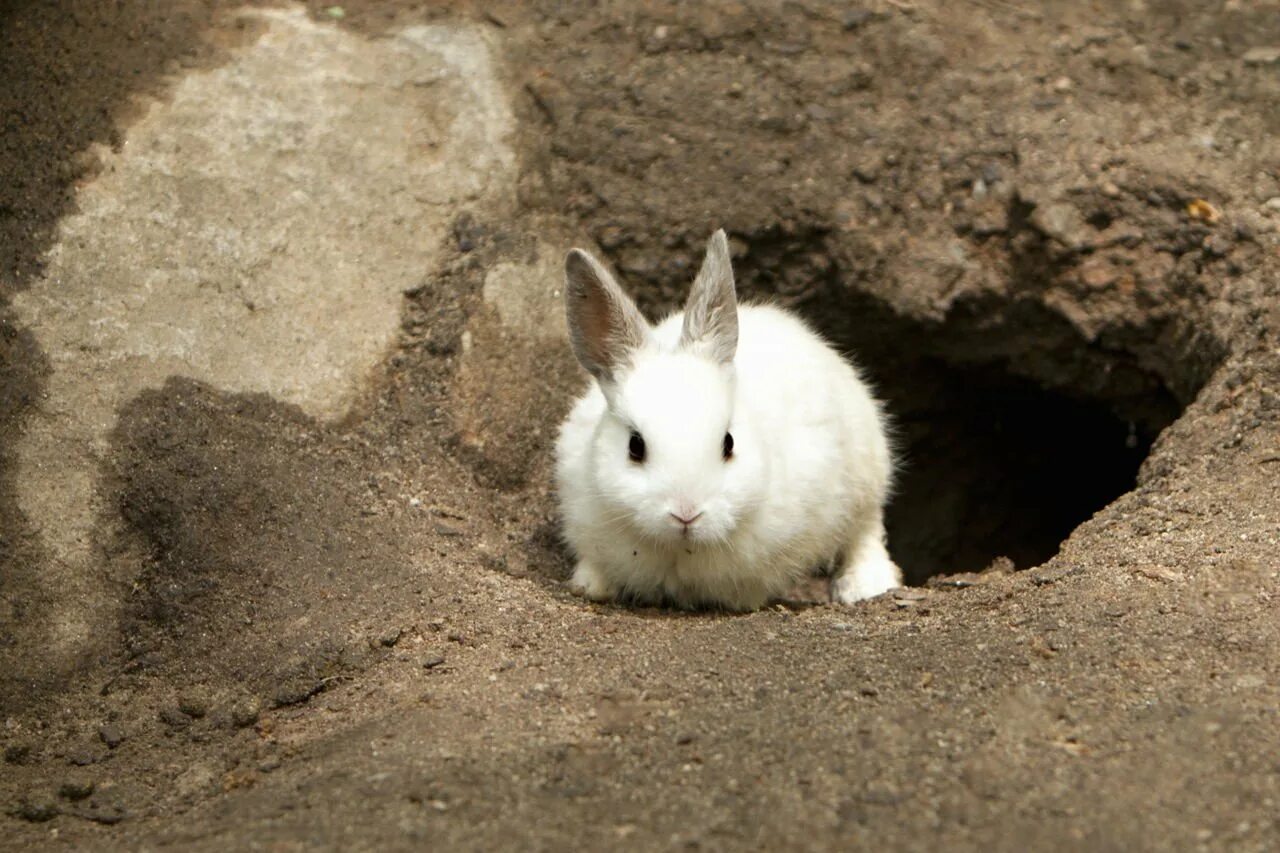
point(685, 517)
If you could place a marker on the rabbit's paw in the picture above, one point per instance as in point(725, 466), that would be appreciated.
point(589, 583)
point(874, 575)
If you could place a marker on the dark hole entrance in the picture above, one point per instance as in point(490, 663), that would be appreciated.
point(996, 466)
point(995, 463)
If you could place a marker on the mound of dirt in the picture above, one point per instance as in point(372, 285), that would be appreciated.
point(282, 358)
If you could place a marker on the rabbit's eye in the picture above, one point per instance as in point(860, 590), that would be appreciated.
point(635, 447)
point(728, 445)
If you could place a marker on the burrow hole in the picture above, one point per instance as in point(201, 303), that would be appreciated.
point(995, 464)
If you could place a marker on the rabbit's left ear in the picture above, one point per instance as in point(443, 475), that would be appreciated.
point(711, 314)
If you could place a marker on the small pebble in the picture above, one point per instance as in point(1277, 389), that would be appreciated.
point(172, 717)
point(82, 757)
point(432, 661)
point(111, 735)
point(245, 712)
point(1216, 245)
point(75, 789)
point(193, 705)
point(867, 171)
point(851, 19)
point(1259, 56)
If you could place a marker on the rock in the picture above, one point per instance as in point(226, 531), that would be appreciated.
point(112, 735)
point(1217, 245)
point(172, 717)
point(1062, 223)
point(390, 637)
point(432, 660)
point(194, 705)
point(296, 324)
point(17, 753)
point(105, 809)
point(1046, 575)
point(851, 19)
point(1159, 573)
point(82, 756)
point(1259, 56)
point(245, 712)
point(867, 171)
point(37, 808)
point(75, 789)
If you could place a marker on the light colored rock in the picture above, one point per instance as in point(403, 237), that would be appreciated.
point(255, 231)
point(528, 298)
point(1262, 56)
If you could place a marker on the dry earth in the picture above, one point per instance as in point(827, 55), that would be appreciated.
point(281, 360)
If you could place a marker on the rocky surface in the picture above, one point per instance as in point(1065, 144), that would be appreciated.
point(281, 362)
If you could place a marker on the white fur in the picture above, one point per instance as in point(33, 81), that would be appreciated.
point(805, 485)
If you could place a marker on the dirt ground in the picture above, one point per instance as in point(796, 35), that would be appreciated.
point(252, 599)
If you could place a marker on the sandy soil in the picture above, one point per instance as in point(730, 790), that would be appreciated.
point(316, 602)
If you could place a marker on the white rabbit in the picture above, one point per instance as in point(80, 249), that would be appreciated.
point(719, 456)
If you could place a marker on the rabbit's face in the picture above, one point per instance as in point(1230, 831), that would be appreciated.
point(670, 457)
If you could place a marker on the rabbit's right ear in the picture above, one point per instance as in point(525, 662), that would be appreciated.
point(605, 326)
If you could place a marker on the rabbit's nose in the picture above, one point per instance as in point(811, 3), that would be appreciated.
point(685, 516)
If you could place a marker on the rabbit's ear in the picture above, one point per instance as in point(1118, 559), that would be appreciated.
point(711, 315)
point(605, 326)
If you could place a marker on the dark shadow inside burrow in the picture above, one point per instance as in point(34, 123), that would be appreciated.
point(1001, 454)
point(994, 465)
